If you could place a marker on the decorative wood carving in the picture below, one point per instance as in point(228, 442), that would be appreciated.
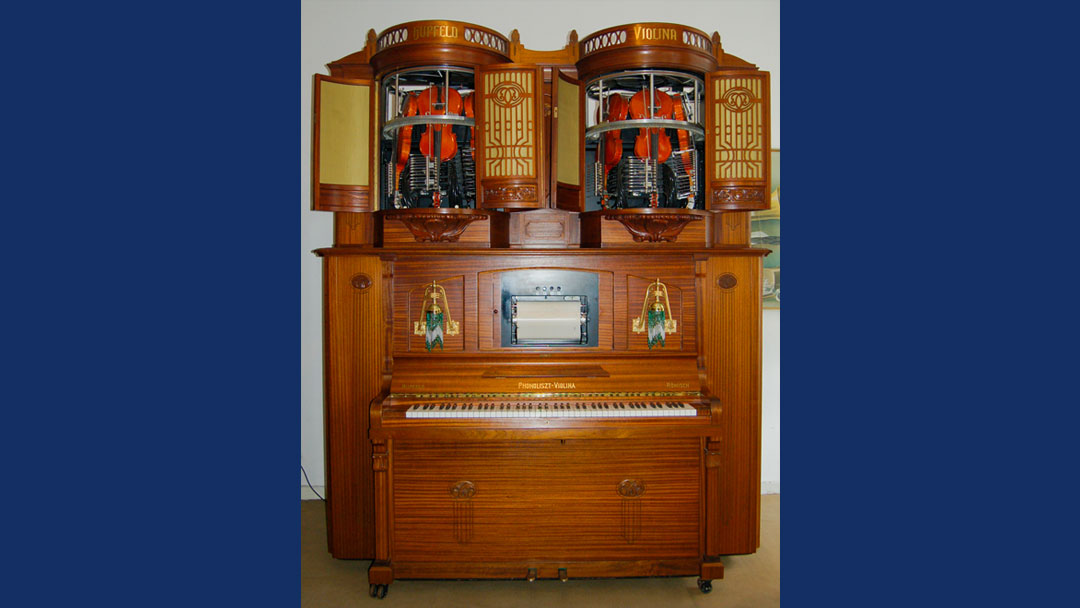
point(647, 45)
point(656, 227)
point(462, 493)
point(509, 194)
point(463, 490)
point(631, 509)
point(737, 144)
point(727, 196)
point(511, 133)
point(631, 488)
point(435, 225)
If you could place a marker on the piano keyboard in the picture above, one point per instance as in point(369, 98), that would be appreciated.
point(549, 410)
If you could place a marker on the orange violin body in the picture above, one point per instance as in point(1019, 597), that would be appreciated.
point(405, 137)
point(661, 108)
point(617, 110)
point(426, 103)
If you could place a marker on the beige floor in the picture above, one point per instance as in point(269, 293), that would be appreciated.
point(750, 581)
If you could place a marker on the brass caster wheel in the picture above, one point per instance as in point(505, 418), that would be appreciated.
point(704, 585)
point(377, 591)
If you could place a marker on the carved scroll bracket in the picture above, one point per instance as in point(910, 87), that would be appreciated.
point(657, 227)
point(436, 226)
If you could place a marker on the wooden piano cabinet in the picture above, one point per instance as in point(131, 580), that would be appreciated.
point(551, 495)
point(495, 509)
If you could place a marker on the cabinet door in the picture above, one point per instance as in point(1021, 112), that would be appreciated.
point(343, 132)
point(737, 140)
point(510, 147)
point(568, 155)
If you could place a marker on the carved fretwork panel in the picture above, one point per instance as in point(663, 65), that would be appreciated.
point(737, 140)
point(510, 156)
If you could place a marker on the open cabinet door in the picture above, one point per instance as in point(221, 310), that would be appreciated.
point(737, 140)
point(343, 162)
point(568, 155)
point(510, 159)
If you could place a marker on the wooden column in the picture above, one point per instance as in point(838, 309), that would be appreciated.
point(731, 317)
point(354, 346)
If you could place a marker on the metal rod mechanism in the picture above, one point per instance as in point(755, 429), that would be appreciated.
point(637, 123)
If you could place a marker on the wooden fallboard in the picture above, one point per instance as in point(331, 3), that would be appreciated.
point(550, 375)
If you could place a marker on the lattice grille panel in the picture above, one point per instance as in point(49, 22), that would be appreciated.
point(738, 136)
point(509, 127)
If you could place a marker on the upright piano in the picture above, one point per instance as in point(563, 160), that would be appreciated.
point(542, 314)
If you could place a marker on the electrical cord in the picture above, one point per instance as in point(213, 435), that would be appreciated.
point(309, 483)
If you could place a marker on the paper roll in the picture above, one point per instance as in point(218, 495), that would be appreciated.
point(554, 320)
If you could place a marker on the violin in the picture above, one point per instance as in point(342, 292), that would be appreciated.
point(661, 108)
point(649, 140)
point(684, 143)
point(617, 109)
point(404, 142)
point(437, 141)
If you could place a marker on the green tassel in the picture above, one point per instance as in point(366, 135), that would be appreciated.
point(656, 327)
point(434, 333)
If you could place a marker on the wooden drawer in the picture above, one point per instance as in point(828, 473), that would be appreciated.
point(546, 500)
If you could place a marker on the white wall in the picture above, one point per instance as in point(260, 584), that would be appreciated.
point(331, 29)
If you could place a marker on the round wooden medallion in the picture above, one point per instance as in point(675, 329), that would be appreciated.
point(361, 281)
point(726, 281)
